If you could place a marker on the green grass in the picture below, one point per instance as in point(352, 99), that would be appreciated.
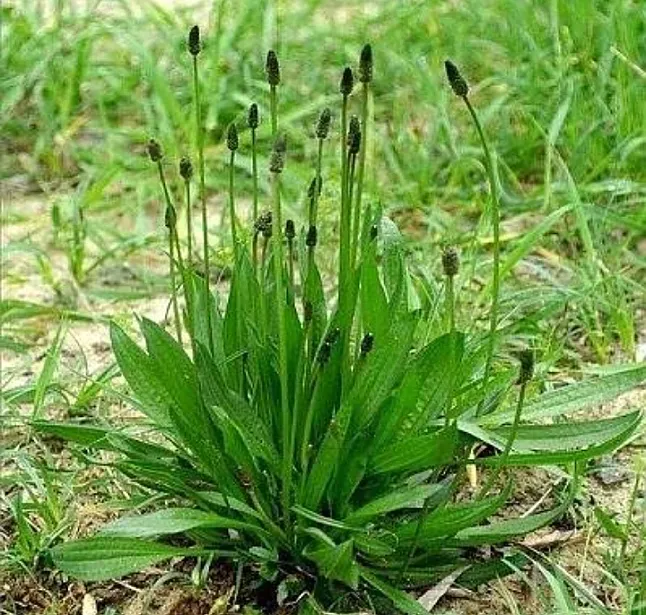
point(86, 107)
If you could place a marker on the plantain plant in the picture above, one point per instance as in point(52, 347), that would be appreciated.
point(327, 435)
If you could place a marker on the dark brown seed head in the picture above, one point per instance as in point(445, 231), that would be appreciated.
point(526, 358)
point(194, 44)
point(323, 125)
point(252, 118)
point(186, 168)
point(170, 217)
point(272, 68)
point(263, 224)
point(232, 137)
point(365, 64)
point(354, 135)
point(154, 150)
point(456, 80)
point(290, 230)
point(315, 187)
point(367, 343)
point(312, 236)
point(450, 261)
point(347, 82)
point(277, 159)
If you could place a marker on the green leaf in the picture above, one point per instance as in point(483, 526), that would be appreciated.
point(337, 562)
point(502, 531)
point(103, 439)
point(393, 264)
point(374, 305)
point(102, 558)
point(139, 371)
point(322, 520)
point(447, 520)
point(171, 521)
point(382, 371)
point(47, 373)
point(614, 435)
point(573, 397)
point(254, 433)
point(416, 454)
point(408, 497)
point(426, 389)
point(567, 436)
point(174, 368)
point(611, 527)
point(400, 599)
point(313, 291)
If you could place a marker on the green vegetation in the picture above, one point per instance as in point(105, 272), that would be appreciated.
point(352, 261)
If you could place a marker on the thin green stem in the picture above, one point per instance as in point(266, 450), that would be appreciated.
point(205, 231)
point(319, 183)
point(500, 460)
point(313, 216)
point(189, 220)
point(282, 347)
point(290, 265)
point(352, 165)
point(162, 179)
point(254, 251)
point(232, 204)
point(361, 171)
point(314, 202)
point(172, 240)
point(450, 302)
point(273, 105)
point(495, 219)
point(254, 174)
point(173, 287)
point(422, 519)
point(344, 250)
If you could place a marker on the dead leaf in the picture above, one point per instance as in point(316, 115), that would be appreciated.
point(472, 471)
point(89, 605)
point(430, 598)
point(548, 540)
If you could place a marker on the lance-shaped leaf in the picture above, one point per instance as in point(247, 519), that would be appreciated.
point(103, 558)
point(172, 521)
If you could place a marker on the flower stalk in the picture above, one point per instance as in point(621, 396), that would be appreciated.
point(170, 220)
point(186, 173)
point(365, 77)
point(276, 165)
point(232, 145)
point(253, 122)
point(461, 89)
point(451, 266)
point(194, 48)
point(525, 374)
point(346, 86)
